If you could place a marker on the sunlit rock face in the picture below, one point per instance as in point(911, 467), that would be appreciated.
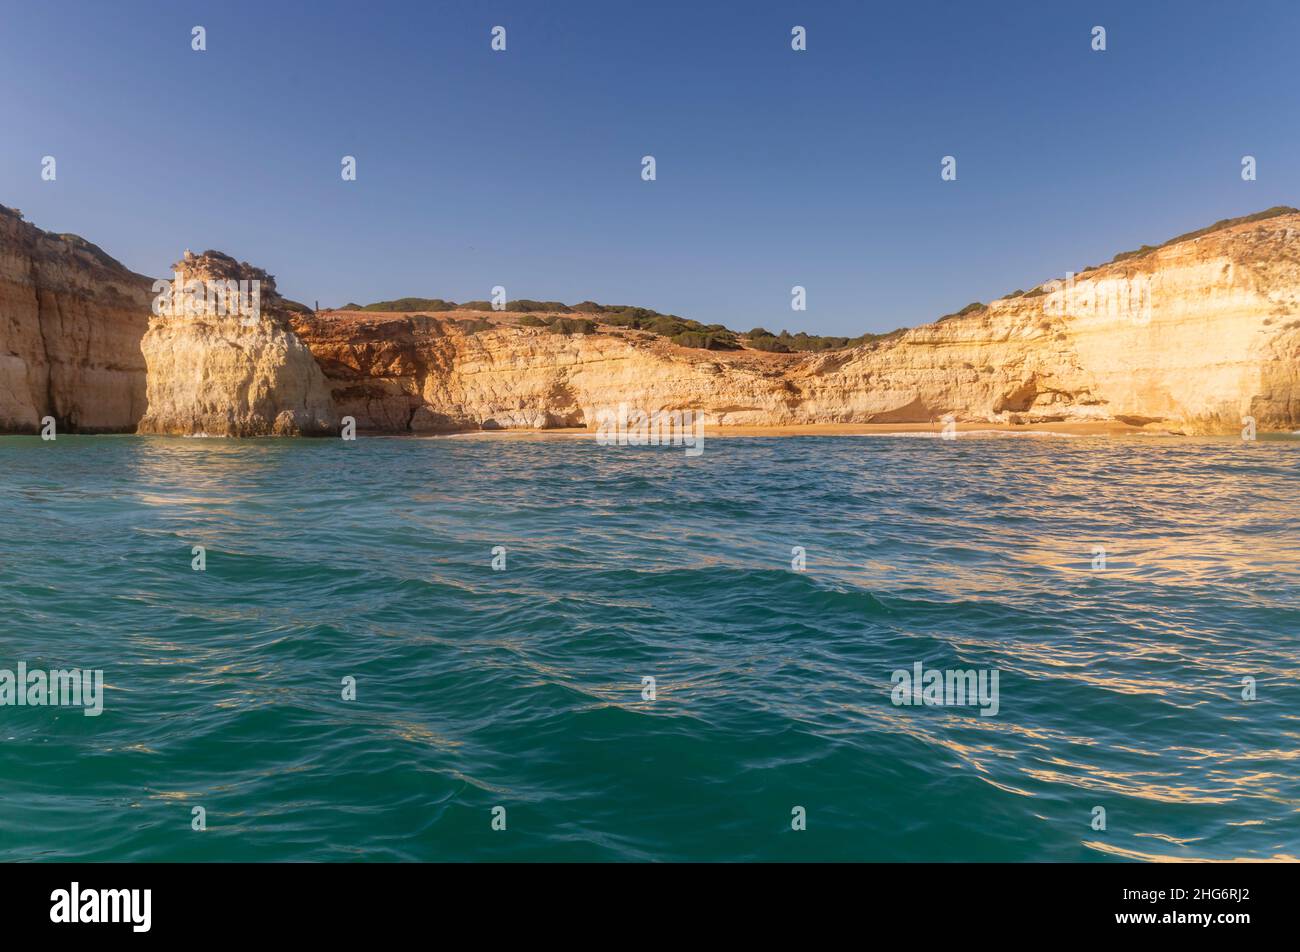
point(223, 360)
point(428, 374)
point(71, 320)
point(1195, 336)
point(1192, 336)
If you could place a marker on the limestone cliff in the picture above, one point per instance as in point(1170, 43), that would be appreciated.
point(226, 367)
point(1194, 335)
point(71, 319)
point(1191, 336)
point(425, 374)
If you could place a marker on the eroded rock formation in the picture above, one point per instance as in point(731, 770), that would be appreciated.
point(1192, 336)
point(71, 320)
point(219, 368)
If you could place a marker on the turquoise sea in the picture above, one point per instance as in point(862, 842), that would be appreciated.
point(1120, 687)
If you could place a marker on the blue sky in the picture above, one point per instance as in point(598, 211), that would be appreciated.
point(775, 168)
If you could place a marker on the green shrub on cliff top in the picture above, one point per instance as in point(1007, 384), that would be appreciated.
point(572, 325)
point(682, 331)
point(528, 307)
point(706, 340)
point(768, 342)
point(406, 305)
point(970, 308)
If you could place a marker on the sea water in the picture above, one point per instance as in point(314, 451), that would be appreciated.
point(489, 648)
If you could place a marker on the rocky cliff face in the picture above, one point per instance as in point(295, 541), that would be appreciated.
point(225, 361)
point(1192, 336)
point(71, 320)
point(425, 374)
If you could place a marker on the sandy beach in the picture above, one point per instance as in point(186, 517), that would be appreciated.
point(1101, 428)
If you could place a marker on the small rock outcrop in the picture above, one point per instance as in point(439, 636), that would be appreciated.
point(223, 360)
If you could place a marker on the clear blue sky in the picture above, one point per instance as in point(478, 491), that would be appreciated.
point(775, 168)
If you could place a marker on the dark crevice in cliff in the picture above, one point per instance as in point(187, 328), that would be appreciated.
point(421, 378)
point(49, 409)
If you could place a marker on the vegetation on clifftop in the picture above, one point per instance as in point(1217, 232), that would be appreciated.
point(562, 318)
point(684, 332)
point(1223, 223)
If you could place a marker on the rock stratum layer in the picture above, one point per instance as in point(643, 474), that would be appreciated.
point(1192, 336)
point(71, 321)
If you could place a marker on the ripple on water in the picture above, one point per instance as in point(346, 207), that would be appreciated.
point(1119, 688)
